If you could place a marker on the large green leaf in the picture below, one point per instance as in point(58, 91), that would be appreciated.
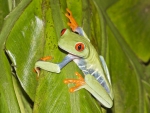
point(132, 20)
point(134, 69)
point(32, 31)
point(8, 97)
point(52, 95)
point(23, 46)
point(4, 10)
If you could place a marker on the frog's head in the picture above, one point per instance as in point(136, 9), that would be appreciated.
point(74, 43)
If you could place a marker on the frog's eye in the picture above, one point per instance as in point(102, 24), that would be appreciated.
point(63, 31)
point(79, 46)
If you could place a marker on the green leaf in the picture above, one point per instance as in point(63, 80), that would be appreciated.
point(132, 20)
point(23, 46)
point(4, 10)
point(32, 30)
point(52, 94)
point(8, 100)
point(132, 69)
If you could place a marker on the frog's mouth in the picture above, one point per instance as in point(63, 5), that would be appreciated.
point(64, 48)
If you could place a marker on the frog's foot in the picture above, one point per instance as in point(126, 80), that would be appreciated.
point(46, 58)
point(78, 82)
point(73, 24)
point(37, 69)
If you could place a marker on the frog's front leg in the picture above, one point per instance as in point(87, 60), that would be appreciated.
point(53, 67)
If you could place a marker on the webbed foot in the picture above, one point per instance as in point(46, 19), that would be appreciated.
point(73, 24)
point(78, 82)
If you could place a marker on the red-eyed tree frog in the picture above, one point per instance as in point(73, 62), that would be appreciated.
point(96, 75)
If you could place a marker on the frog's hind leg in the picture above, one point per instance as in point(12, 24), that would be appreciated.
point(105, 68)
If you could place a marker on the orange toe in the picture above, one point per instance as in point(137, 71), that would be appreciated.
point(78, 82)
point(73, 24)
point(46, 58)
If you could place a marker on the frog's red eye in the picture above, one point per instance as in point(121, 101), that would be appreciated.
point(63, 31)
point(79, 46)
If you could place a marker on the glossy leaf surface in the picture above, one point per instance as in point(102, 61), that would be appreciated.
point(117, 29)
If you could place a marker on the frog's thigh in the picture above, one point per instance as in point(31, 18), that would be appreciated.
point(94, 87)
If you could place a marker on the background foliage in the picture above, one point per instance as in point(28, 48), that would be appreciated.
point(30, 29)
